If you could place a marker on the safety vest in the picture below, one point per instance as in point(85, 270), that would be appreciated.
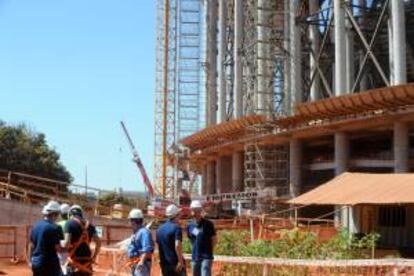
point(81, 264)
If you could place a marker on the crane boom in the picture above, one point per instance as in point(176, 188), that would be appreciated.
point(138, 162)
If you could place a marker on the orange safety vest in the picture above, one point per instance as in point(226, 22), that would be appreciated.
point(82, 264)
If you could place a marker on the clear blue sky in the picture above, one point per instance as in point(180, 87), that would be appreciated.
point(73, 69)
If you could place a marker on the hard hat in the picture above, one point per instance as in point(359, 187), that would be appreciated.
point(196, 204)
point(172, 211)
point(51, 207)
point(135, 214)
point(64, 208)
point(76, 210)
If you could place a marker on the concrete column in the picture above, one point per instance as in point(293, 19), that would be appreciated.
point(341, 153)
point(219, 175)
point(237, 51)
point(211, 61)
point(237, 171)
point(399, 42)
point(295, 164)
point(340, 48)
point(204, 180)
point(350, 59)
point(391, 51)
point(286, 44)
point(314, 38)
point(211, 171)
point(401, 147)
point(295, 51)
point(222, 51)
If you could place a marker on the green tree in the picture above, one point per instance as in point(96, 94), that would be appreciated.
point(23, 150)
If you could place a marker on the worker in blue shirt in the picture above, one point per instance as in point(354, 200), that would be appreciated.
point(202, 235)
point(141, 247)
point(169, 239)
point(45, 243)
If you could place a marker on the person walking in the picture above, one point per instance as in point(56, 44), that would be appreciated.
point(45, 243)
point(79, 233)
point(202, 235)
point(141, 247)
point(169, 239)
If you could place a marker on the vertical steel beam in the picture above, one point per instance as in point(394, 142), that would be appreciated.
point(363, 84)
point(211, 181)
point(222, 51)
point(204, 180)
point(237, 56)
point(165, 98)
point(341, 152)
point(398, 42)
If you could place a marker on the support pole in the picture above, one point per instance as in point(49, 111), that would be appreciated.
point(262, 97)
point(237, 52)
point(363, 84)
point(204, 180)
point(341, 153)
point(350, 59)
point(222, 51)
point(401, 147)
point(219, 175)
point(399, 42)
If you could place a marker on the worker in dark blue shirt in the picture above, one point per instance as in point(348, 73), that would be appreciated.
point(141, 247)
point(79, 233)
point(45, 243)
point(202, 235)
point(169, 239)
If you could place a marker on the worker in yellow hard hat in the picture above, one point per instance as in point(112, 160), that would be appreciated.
point(141, 246)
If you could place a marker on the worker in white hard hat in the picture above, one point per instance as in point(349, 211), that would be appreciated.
point(45, 242)
point(202, 235)
point(79, 233)
point(141, 247)
point(64, 214)
point(169, 240)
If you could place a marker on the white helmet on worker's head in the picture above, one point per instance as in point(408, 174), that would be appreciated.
point(51, 207)
point(172, 211)
point(64, 208)
point(196, 204)
point(135, 214)
point(76, 210)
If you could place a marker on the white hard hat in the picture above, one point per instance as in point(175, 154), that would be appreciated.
point(64, 208)
point(196, 204)
point(135, 214)
point(76, 210)
point(51, 207)
point(172, 211)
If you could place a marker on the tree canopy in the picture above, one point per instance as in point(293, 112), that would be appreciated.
point(26, 151)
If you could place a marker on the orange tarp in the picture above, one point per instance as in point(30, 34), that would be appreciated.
point(361, 188)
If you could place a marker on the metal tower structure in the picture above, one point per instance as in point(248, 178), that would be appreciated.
point(178, 92)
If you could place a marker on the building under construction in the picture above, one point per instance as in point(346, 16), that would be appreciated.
point(285, 94)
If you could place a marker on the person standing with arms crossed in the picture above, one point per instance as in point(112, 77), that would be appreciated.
point(141, 247)
point(202, 235)
point(169, 240)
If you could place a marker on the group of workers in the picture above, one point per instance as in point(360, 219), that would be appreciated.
point(63, 247)
point(169, 237)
